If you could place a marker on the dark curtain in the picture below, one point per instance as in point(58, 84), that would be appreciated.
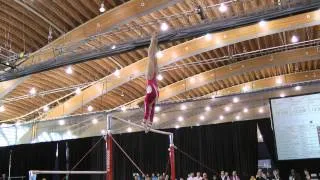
point(229, 146)
point(41, 156)
point(265, 127)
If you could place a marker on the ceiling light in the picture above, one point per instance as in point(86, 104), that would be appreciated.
point(238, 117)
point(156, 119)
point(164, 26)
point(103, 132)
point(261, 110)
point(78, 91)
point(2, 108)
point(235, 100)
point(198, 124)
point(18, 123)
point(279, 81)
point(33, 91)
point(208, 37)
point(69, 70)
point(183, 107)
point(123, 108)
point(227, 108)
point(221, 117)
point(90, 108)
point(294, 39)
point(180, 118)
point(62, 122)
point(222, 8)
point(94, 121)
point(102, 8)
point(201, 118)
point(117, 73)
point(262, 23)
point(213, 96)
point(159, 54)
point(129, 129)
point(157, 108)
point(207, 108)
point(46, 108)
point(245, 110)
point(245, 88)
point(297, 88)
point(160, 77)
point(177, 126)
point(192, 80)
point(282, 95)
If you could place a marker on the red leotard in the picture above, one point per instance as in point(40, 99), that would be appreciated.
point(150, 99)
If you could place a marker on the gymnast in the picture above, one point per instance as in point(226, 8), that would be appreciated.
point(152, 89)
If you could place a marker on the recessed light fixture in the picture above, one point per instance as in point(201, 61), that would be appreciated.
point(208, 37)
point(221, 117)
point(102, 8)
point(279, 80)
point(123, 108)
point(94, 121)
point(157, 108)
point(129, 129)
point(183, 107)
point(262, 23)
point(177, 126)
point(113, 47)
point(297, 88)
point(207, 108)
point(261, 110)
point(238, 117)
point(282, 95)
point(103, 132)
point(201, 117)
point(62, 122)
point(117, 73)
point(235, 100)
point(227, 108)
point(180, 118)
point(245, 110)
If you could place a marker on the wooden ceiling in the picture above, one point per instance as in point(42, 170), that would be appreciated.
point(24, 26)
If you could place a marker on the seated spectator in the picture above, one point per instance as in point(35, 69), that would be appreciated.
point(276, 175)
point(198, 177)
point(222, 176)
point(154, 177)
point(190, 176)
point(227, 175)
point(214, 177)
point(293, 175)
point(204, 176)
point(252, 178)
point(260, 175)
point(235, 176)
point(307, 174)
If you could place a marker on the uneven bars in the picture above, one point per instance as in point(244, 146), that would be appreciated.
point(66, 172)
point(137, 125)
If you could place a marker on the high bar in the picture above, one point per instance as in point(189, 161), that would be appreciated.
point(66, 172)
point(137, 125)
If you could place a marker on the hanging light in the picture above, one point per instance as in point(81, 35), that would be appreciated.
point(90, 108)
point(262, 23)
point(69, 70)
point(78, 90)
point(46, 108)
point(164, 26)
point(294, 39)
point(159, 54)
point(223, 8)
point(117, 73)
point(102, 8)
point(160, 77)
point(33, 91)
point(2, 108)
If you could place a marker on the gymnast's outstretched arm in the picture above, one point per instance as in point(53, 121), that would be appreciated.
point(152, 68)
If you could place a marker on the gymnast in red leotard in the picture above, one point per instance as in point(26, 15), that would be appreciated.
point(152, 85)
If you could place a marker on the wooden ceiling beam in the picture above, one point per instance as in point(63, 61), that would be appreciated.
point(187, 49)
